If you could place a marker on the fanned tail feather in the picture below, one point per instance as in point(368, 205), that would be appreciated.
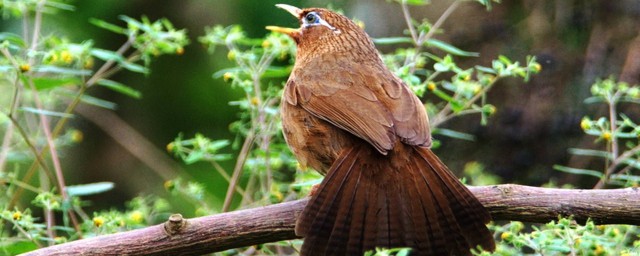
point(364, 202)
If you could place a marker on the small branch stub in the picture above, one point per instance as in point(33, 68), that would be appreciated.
point(175, 223)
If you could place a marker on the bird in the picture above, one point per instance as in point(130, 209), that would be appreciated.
point(346, 115)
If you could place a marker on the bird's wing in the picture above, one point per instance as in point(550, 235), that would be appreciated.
point(366, 101)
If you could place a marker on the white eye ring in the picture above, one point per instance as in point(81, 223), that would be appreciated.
point(313, 19)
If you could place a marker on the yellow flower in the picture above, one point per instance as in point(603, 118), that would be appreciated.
point(25, 68)
point(180, 51)
point(17, 215)
point(98, 221)
point(606, 136)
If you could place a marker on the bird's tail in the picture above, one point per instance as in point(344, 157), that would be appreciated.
point(406, 199)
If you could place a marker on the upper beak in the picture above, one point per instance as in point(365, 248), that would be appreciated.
point(295, 11)
point(292, 32)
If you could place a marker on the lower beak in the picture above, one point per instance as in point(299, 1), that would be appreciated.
point(292, 32)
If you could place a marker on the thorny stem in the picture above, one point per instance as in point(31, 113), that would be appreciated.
point(420, 39)
point(445, 114)
point(613, 144)
point(26, 234)
point(37, 25)
point(259, 128)
point(237, 170)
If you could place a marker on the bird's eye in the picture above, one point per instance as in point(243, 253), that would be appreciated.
point(311, 18)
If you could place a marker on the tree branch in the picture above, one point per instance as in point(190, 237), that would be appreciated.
point(276, 222)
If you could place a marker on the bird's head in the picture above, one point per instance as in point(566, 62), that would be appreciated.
point(325, 31)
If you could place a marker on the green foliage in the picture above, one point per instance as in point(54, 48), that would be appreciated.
point(618, 132)
point(45, 77)
point(566, 237)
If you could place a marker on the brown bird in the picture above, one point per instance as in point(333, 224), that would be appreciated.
point(347, 116)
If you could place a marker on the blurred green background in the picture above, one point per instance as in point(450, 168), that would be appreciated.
point(575, 41)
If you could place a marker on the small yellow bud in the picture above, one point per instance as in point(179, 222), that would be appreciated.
point(431, 86)
point(606, 136)
point(98, 221)
point(360, 24)
point(537, 67)
point(255, 101)
point(169, 185)
point(136, 216)
point(88, 63)
point(491, 109)
point(60, 239)
point(466, 78)
point(476, 89)
point(53, 58)
point(506, 236)
point(17, 215)
point(66, 57)
point(577, 241)
point(227, 76)
point(231, 55)
point(25, 68)
point(599, 250)
point(266, 44)
point(170, 147)
point(76, 136)
point(585, 124)
point(180, 51)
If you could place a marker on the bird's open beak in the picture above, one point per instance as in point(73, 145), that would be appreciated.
point(292, 32)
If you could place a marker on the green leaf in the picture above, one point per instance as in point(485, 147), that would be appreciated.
point(134, 67)
point(61, 70)
point(44, 83)
point(16, 247)
point(121, 88)
point(392, 40)
point(625, 177)
point(98, 102)
point(276, 72)
point(107, 55)
point(13, 39)
point(588, 172)
point(89, 189)
point(6, 68)
point(454, 134)
point(450, 48)
point(46, 112)
point(108, 26)
point(590, 152)
point(414, 2)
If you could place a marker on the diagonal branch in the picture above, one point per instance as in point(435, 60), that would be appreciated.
point(276, 222)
